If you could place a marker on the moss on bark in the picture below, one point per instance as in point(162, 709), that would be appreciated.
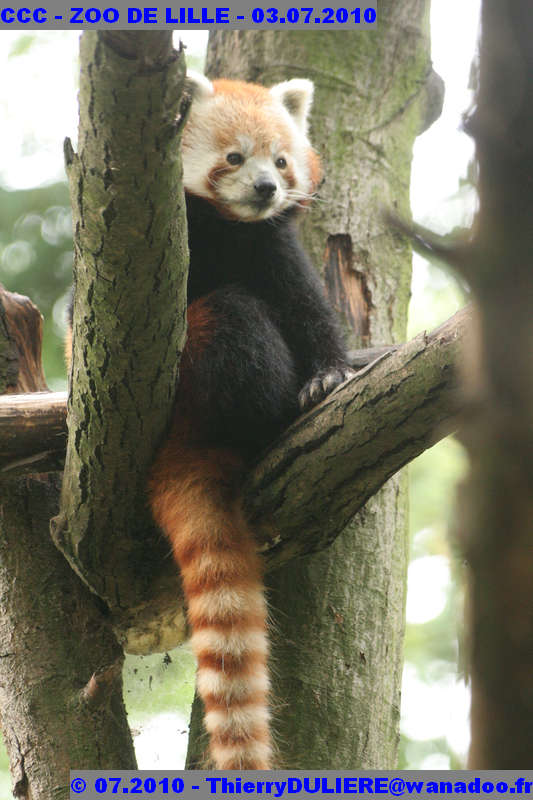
point(129, 305)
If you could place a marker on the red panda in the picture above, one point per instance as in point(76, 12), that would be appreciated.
point(262, 345)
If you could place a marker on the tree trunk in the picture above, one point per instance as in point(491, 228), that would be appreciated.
point(130, 276)
point(497, 501)
point(60, 664)
point(339, 615)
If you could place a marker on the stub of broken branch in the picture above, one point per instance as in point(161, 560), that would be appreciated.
point(33, 420)
point(101, 685)
point(33, 432)
point(21, 337)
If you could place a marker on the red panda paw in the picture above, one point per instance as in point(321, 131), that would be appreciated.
point(323, 383)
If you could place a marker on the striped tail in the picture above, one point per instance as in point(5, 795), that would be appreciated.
point(194, 501)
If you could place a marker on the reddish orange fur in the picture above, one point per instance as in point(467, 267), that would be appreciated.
point(249, 111)
point(68, 347)
point(194, 496)
point(315, 169)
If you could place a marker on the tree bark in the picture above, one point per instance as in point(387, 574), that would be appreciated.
point(314, 478)
point(338, 630)
point(129, 305)
point(496, 502)
point(33, 433)
point(54, 637)
point(21, 333)
point(61, 665)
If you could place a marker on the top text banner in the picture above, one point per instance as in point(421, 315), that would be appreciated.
point(226, 15)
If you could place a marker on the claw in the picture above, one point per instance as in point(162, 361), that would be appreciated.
point(323, 384)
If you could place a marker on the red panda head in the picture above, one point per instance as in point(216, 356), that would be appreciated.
point(245, 147)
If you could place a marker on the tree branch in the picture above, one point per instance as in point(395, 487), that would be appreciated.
point(129, 304)
point(333, 459)
point(33, 433)
point(309, 483)
point(33, 426)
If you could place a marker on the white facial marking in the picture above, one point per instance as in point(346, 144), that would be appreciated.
point(234, 188)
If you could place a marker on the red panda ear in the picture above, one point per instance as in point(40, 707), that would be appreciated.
point(297, 97)
point(198, 86)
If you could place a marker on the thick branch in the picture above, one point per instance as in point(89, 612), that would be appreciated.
point(47, 642)
point(33, 432)
point(331, 460)
point(129, 303)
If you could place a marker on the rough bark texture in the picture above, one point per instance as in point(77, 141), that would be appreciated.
point(496, 509)
point(21, 333)
point(33, 433)
point(338, 629)
point(54, 635)
point(129, 304)
point(334, 459)
point(319, 473)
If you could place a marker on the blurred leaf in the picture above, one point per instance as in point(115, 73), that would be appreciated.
point(21, 45)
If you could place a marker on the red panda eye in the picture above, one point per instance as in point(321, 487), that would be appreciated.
point(281, 163)
point(234, 159)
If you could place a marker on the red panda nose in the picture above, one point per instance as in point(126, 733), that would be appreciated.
point(265, 188)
